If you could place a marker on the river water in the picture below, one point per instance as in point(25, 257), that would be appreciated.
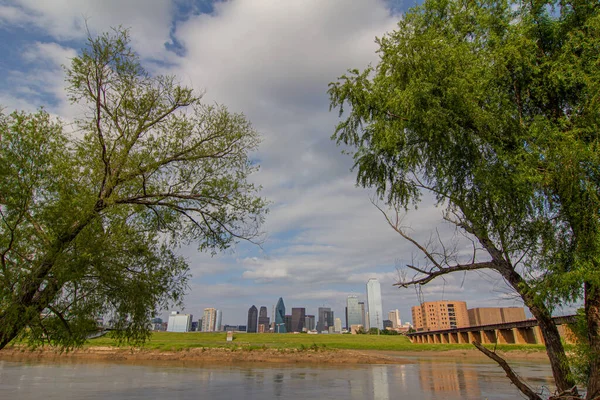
point(423, 378)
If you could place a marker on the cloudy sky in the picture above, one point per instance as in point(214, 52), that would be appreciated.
point(271, 60)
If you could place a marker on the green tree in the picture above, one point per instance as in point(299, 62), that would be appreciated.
point(492, 107)
point(90, 219)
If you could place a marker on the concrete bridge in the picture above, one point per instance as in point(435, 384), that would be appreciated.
point(521, 332)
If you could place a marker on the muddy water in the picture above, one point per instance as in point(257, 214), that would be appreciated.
point(424, 378)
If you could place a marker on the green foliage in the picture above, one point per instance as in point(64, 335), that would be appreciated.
point(89, 220)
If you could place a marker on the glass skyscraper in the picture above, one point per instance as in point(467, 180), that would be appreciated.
point(353, 316)
point(375, 308)
point(280, 317)
point(252, 320)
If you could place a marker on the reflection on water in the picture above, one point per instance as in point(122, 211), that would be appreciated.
point(424, 379)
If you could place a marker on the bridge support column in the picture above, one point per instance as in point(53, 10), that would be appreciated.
point(474, 336)
point(453, 337)
point(463, 337)
point(488, 336)
point(539, 339)
point(505, 336)
point(444, 338)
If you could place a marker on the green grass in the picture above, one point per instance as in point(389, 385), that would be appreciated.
point(170, 341)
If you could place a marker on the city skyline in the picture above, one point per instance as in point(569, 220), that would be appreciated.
point(323, 237)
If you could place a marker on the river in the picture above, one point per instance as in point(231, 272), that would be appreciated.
point(424, 378)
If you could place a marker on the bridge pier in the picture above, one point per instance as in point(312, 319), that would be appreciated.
point(474, 336)
point(505, 336)
point(488, 336)
point(463, 337)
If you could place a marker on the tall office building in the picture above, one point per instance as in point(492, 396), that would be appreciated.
point(440, 315)
point(252, 325)
point(337, 325)
point(374, 304)
point(353, 312)
point(218, 321)
point(280, 317)
point(394, 316)
point(288, 323)
point(325, 319)
point(263, 319)
point(363, 315)
point(298, 319)
point(309, 322)
point(209, 319)
point(179, 322)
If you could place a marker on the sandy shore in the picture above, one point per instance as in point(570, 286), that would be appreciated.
point(273, 356)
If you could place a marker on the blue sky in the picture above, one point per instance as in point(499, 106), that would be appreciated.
point(271, 60)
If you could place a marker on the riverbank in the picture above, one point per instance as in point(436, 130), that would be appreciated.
point(232, 355)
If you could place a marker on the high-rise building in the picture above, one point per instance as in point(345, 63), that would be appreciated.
point(209, 319)
point(263, 319)
point(440, 315)
point(298, 319)
point(495, 315)
point(325, 319)
point(337, 325)
point(252, 319)
point(394, 316)
point(363, 314)
point(374, 304)
point(179, 322)
point(280, 317)
point(218, 321)
point(288, 323)
point(353, 312)
point(200, 325)
point(309, 322)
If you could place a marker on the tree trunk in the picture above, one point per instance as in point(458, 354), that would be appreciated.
point(554, 347)
point(592, 313)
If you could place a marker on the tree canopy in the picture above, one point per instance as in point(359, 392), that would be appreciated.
point(90, 219)
point(493, 107)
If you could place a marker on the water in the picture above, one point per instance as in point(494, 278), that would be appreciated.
point(422, 379)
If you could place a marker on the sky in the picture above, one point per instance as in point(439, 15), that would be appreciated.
point(271, 60)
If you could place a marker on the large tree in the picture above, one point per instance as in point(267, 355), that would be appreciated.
point(494, 108)
point(90, 219)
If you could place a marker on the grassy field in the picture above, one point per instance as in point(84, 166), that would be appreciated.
point(170, 341)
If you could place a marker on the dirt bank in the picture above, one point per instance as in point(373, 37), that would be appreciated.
point(207, 355)
point(229, 356)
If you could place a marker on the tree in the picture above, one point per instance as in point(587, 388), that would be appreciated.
point(493, 108)
point(90, 220)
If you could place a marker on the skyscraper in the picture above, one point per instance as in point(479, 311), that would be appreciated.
point(353, 313)
point(363, 319)
point(374, 304)
point(323, 322)
point(263, 319)
point(394, 316)
point(298, 317)
point(309, 322)
point(252, 319)
point(280, 317)
point(209, 319)
point(218, 321)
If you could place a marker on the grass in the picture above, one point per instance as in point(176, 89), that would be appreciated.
point(171, 341)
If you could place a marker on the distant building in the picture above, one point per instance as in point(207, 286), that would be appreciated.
point(337, 325)
point(252, 319)
point(374, 304)
point(218, 321)
point(353, 312)
point(363, 314)
point(200, 325)
point(234, 328)
point(209, 319)
point(325, 319)
point(179, 322)
point(394, 316)
point(439, 315)
point(288, 323)
point(280, 317)
point(387, 324)
point(309, 322)
point(263, 319)
point(495, 315)
point(298, 319)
